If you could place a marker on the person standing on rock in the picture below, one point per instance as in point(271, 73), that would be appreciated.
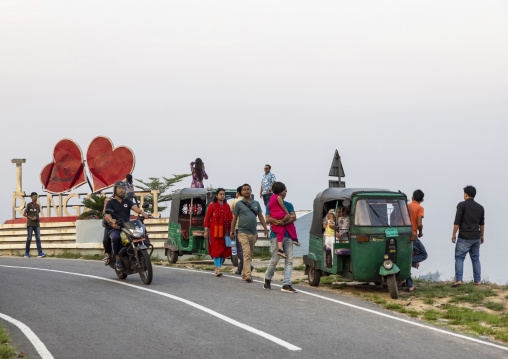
point(266, 185)
point(246, 213)
point(198, 173)
point(33, 225)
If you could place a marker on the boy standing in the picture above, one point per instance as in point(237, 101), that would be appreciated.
point(416, 216)
point(31, 213)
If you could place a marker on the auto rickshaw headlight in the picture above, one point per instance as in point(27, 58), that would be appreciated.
point(386, 256)
point(388, 264)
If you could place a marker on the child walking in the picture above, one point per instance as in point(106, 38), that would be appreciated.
point(280, 212)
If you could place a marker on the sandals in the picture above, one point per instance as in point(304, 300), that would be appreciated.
point(106, 260)
point(456, 284)
point(218, 273)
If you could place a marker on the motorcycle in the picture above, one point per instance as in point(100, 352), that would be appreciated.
point(134, 253)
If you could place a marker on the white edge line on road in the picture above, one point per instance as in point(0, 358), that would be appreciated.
point(182, 300)
point(375, 312)
point(34, 339)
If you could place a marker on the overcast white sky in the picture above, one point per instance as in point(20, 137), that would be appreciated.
point(413, 94)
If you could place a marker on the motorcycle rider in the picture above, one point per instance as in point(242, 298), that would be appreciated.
point(122, 208)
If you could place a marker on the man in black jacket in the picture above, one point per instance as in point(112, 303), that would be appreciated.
point(470, 222)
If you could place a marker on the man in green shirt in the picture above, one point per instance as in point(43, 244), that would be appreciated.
point(31, 213)
point(246, 213)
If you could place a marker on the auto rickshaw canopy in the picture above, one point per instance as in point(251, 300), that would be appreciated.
point(335, 194)
point(183, 194)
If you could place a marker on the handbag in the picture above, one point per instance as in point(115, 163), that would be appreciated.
point(229, 242)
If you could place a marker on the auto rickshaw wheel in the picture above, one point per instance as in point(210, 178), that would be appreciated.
point(314, 276)
point(392, 286)
point(234, 260)
point(172, 256)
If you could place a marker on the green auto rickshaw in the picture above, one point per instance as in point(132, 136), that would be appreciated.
point(186, 228)
point(373, 237)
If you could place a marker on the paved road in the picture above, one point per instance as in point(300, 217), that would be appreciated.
point(78, 316)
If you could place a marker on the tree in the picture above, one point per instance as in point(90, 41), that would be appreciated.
point(94, 205)
point(162, 185)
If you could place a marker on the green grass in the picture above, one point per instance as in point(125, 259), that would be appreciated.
point(464, 316)
point(260, 269)
point(296, 281)
point(431, 315)
point(302, 268)
point(429, 301)
point(494, 306)
point(194, 258)
point(68, 255)
point(376, 299)
point(211, 268)
point(93, 257)
point(6, 350)
point(226, 269)
point(329, 279)
point(263, 254)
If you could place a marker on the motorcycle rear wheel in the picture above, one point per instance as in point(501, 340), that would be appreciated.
point(145, 270)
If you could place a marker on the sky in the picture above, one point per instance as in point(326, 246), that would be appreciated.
point(412, 94)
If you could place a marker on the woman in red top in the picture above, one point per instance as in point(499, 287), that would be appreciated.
point(217, 225)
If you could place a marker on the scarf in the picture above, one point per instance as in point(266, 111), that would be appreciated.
point(222, 216)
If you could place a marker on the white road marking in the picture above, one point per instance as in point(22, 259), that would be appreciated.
point(182, 300)
point(375, 312)
point(34, 339)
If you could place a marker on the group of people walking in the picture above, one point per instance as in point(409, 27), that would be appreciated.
point(235, 224)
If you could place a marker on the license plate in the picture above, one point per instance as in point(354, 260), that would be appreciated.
point(392, 232)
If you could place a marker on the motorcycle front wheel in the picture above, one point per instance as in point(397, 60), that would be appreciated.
point(145, 264)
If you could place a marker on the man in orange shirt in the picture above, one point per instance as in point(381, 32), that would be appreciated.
point(416, 216)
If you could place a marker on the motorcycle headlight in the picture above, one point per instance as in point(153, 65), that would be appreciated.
point(388, 264)
point(137, 232)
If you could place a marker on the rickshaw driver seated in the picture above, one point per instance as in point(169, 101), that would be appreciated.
point(121, 206)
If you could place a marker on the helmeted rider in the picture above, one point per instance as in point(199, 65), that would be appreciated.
point(121, 206)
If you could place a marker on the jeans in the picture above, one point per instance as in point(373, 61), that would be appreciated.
point(239, 254)
point(462, 248)
point(419, 255)
point(37, 231)
point(266, 198)
point(287, 244)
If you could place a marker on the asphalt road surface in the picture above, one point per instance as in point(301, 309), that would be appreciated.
point(79, 309)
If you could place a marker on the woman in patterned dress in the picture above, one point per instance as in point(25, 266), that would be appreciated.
point(198, 173)
point(217, 226)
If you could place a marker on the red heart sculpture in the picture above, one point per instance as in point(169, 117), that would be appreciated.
point(66, 171)
point(108, 165)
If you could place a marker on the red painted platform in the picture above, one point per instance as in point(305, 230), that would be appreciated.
point(44, 220)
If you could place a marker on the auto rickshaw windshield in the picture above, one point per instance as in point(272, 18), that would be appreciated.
point(382, 212)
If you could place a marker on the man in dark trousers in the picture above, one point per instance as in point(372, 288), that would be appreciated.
point(33, 225)
point(121, 206)
point(470, 222)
